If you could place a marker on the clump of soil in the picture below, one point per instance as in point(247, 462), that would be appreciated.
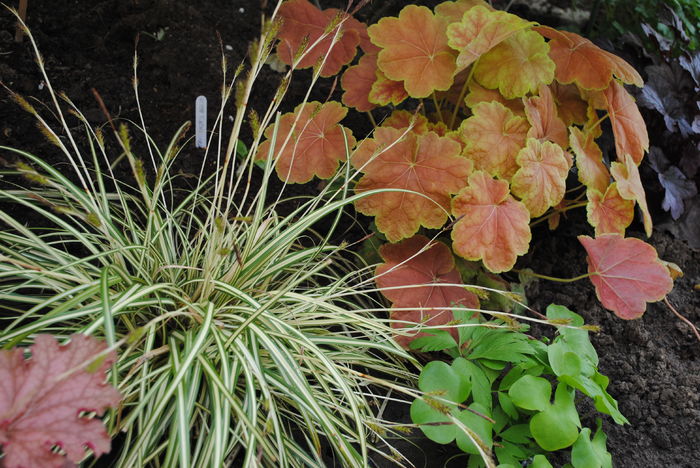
point(653, 363)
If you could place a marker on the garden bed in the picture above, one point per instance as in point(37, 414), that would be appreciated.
point(653, 363)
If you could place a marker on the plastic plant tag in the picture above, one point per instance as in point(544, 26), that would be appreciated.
point(200, 122)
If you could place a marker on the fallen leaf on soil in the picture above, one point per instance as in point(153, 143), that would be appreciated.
point(417, 278)
point(42, 399)
point(494, 227)
point(626, 273)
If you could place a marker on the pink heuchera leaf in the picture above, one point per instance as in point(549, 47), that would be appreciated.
point(493, 226)
point(427, 164)
point(313, 146)
point(417, 278)
point(41, 400)
point(357, 83)
point(626, 273)
point(304, 22)
point(542, 114)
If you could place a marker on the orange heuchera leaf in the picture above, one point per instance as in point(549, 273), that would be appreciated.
point(516, 66)
point(494, 227)
point(570, 106)
point(541, 180)
point(385, 91)
point(589, 160)
point(542, 114)
point(626, 273)
point(415, 51)
point(312, 147)
point(454, 11)
point(42, 398)
point(479, 30)
point(627, 123)
point(630, 187)
point(493, 136)
point(402, 119)
point(304, 23)
point(410, 278)
point(553, 220)
point(427, 164)
point(584, 63)
point(478, 93)
point(357, 82)
point(609, 213)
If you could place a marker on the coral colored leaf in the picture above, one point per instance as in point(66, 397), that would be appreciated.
point(42, 398)
point(609, 213)
point(385, 91)
point(541, 180)
point(303, 23)
point(427, 164)
point(313, 146)
point(626, 273)
point(542, 114)
point(493, 226)
point(516, 66)
point(589, 160)
point(480, 30)
point(454, 11)
point(570, 105)
point(357, 83)
point(410, 277)
point(584, 63)
point(630, 187)
point(493, 136)
point(415, 51)
point(478, 93)
point(627, 123)
point(402, 119)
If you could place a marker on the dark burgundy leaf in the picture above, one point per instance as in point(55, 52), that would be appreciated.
point(677, 189)
point(692, 65)
point(664, 43)
point(666, 91)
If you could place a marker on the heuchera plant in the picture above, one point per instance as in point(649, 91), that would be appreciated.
point(506, 110)
point(43, 400)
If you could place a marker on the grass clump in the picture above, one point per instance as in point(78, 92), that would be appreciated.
point(244, 336)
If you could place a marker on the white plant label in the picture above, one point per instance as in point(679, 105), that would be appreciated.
point(200, 122)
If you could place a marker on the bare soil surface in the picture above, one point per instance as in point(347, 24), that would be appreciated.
point(653, 363)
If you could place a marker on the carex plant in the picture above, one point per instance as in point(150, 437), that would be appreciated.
point(244, 336)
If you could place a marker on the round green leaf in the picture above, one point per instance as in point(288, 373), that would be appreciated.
point(480, 427)
point(540, 461)
point(557, 426)
point(431, 422)
point(531, 393)
point(444, 381)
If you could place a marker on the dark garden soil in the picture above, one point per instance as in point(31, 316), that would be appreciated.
point(653, 363)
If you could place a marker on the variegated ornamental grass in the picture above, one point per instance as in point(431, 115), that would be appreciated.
point(242, 335)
